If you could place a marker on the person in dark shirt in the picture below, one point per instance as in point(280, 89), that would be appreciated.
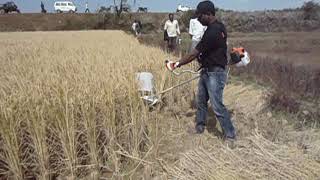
point(211, 53)
point(43, 10)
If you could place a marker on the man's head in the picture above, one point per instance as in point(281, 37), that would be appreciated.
point(171, 17)
point(205, 12)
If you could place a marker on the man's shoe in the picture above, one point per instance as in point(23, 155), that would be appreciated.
point(230, 142)
point(200, 129)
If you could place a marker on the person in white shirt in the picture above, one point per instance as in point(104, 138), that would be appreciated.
point(196, 31)
point(87, 8)
point(172, 29)
point(136, 27)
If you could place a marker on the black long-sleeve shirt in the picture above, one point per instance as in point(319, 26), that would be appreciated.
point(213, 46)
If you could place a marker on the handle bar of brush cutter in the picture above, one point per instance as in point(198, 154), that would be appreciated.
point(185, 82)
point(184, 71)
point(173, 87)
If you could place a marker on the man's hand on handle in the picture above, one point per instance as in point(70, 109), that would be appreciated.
point(184, 60)
point(171, 66)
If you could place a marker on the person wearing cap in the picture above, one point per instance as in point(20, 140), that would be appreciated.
point(136, 27)
point(172, 29)
point(211, 53)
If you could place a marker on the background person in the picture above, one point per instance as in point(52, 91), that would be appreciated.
point(196, 31)
point(136, 27)
point(87, 8)
point(172, 28)
point(43, 10)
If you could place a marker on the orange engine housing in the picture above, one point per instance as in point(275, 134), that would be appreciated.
point(239, 50)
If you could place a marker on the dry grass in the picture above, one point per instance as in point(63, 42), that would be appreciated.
point(268, 147)
point(69, 105)
point(69, 109)
point(289, 63)
point(256, 158)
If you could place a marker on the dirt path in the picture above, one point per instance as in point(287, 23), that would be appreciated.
point(268, 147)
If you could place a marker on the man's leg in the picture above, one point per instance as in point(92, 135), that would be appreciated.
point(215, 85)
point(174, 43)
point(170, 44)
point(166, 46)
point(202, 104)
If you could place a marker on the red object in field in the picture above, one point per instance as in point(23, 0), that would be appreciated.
point(239, 56)
point(236, 54)
point(239, 50)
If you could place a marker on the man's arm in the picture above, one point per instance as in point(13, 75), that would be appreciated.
point(188, 58)
point(203, 46)
point(165, 26)
point(178, 29)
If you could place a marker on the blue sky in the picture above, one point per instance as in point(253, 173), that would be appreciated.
point(166, 5)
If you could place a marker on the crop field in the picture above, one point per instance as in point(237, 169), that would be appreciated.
point(69, 99)
point(70, 109)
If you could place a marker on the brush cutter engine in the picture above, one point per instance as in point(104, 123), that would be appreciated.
point(239, 57)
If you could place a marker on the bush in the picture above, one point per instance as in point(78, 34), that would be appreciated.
point(311, 10)
point(148, 28)
point(301, 81)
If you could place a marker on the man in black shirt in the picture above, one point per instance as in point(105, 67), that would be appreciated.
point(212, 55)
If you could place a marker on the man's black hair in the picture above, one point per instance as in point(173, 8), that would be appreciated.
point(206, 7)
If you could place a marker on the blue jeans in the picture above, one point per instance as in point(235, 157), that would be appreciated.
point(210, 87)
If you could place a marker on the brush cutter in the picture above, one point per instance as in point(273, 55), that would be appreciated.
point(147, 90)
point(239, 58)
